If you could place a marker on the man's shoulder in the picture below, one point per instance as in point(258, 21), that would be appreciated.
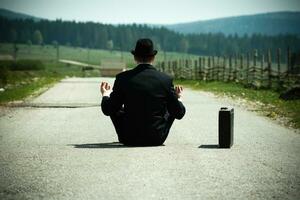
point(132, 72)
point(164, 75)
point(123, 74)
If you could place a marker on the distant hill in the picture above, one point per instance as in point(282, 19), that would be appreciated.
point(16, 15)
point(267, 23)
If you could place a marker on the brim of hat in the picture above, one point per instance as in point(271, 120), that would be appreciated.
point(133, 52)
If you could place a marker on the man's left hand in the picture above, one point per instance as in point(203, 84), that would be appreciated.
point(178, 91)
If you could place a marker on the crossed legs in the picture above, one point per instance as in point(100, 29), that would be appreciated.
point(117, 120)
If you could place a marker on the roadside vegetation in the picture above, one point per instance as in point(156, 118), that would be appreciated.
point(37, 67)
point(26, 78)
point(266, 102)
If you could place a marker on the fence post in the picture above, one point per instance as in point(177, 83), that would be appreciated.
point(247, 70)
point(209, 68)
point(269, 69)
point(180, 69)
point(186, 69)
point(204, 69)
point(213, 68)
point(241, 65)
point(218, 68)
point(200, 68)
point(255, 56)
point(278, 65)
point(166, 67)
point(262, 68)
point(224, 68)
point(191, 74)
point(230, 66)
point(288, 65)
point(195, 70)
point(177, 68)
point(235, 67)
point(173, 69)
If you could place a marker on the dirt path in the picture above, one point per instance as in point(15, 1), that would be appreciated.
point(72, 62)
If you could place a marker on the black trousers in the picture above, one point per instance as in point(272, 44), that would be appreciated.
point(117, 120)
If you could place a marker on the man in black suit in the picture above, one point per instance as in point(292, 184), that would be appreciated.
point(143, 102)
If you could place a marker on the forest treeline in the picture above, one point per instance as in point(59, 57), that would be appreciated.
point(123, 37)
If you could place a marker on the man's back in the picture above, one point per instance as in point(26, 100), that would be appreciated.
point(149, 100)
point(143, 103)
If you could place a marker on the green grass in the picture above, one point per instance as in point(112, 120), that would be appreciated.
point(272, 106)
point(21, 91)
point(21, 84)
point(90, 56)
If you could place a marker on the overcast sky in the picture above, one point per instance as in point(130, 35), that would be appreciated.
point(146, 11)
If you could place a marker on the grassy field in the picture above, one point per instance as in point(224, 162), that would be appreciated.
point(20, 84)
point(266, 101)
point(90, 56)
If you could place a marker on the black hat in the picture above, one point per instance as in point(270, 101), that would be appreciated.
point(144, 47)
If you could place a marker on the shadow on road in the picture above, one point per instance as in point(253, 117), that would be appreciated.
point(209, 146)
point(105, 145)
point(100, 145)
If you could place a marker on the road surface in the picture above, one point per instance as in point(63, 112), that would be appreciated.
point(60, 146)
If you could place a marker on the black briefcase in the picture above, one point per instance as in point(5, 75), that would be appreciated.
point(226, 116)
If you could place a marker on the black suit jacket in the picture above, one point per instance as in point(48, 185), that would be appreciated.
point(148, 96)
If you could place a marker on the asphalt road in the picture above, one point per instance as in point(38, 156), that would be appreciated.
point(60, 146)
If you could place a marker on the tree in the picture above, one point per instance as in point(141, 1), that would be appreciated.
point(97, 35)
point(37, 37)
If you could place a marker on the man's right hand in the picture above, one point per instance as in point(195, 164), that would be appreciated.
point(178, 91)
point(105, 89)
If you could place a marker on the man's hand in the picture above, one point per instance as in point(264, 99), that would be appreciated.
point(178, 91)
point(105, 89)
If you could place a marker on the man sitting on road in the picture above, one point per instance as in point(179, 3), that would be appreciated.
point(143, 103)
